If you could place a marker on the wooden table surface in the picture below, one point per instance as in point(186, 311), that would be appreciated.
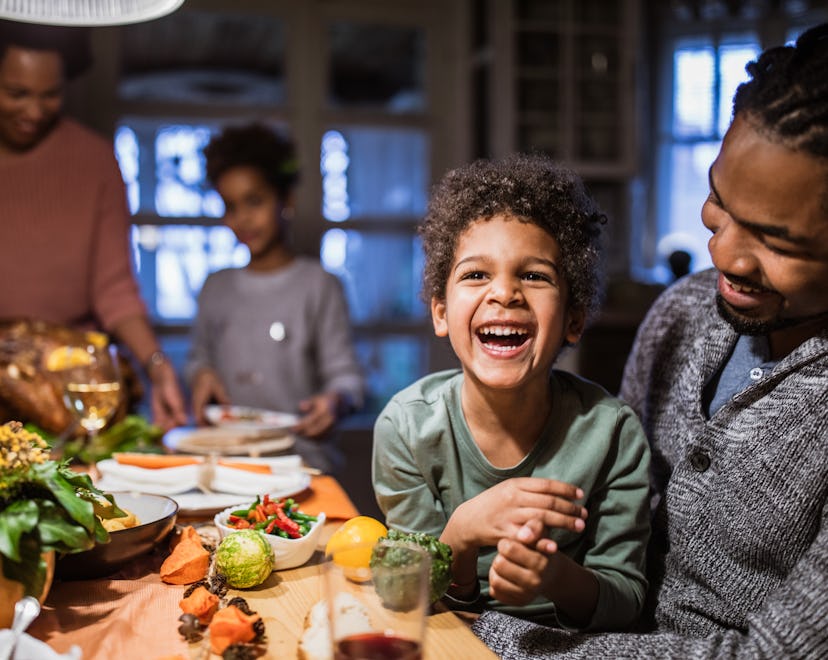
point(284, 603)
point(133, 615)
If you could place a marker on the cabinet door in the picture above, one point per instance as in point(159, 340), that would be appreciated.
point(569, 65)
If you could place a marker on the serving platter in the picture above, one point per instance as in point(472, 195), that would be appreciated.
point(246, 417)
point(227, 441)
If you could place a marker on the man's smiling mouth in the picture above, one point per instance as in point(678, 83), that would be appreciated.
point(742, 288)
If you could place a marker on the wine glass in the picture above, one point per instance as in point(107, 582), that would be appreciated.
point(92, 386)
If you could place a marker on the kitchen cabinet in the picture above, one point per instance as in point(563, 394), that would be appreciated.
point(563, 81)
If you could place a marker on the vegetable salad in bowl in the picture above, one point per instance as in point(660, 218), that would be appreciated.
point(291, 533)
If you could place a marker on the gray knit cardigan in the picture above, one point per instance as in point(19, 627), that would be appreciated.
point(739, 554)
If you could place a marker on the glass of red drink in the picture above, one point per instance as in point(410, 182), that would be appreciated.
point(377, 597)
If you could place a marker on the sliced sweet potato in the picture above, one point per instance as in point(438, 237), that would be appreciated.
point(188, 562)
point(230, 626)
point(201, 603)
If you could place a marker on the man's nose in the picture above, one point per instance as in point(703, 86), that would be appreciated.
point(732, 248)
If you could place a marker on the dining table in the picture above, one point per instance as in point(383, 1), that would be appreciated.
point(134, 615)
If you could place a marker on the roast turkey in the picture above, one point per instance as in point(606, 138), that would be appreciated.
point(29, 392)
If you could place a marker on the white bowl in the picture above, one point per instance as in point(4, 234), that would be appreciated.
point(288, 553)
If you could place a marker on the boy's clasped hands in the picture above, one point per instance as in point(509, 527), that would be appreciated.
point(513, 516)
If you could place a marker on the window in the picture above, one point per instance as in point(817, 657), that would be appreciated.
point(705, 75)
point(355, 91)
point(705, 70)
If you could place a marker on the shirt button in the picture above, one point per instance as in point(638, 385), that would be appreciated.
point(699, 461)
point(756, 373)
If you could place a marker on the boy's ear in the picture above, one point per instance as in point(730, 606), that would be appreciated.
point(575, 326)
point(438, 317)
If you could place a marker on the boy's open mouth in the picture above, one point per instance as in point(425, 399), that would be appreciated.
point(502, 336)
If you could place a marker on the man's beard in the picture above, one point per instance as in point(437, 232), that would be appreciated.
point(758, 327)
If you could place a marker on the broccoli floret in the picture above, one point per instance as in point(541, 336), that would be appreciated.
point(440, 577)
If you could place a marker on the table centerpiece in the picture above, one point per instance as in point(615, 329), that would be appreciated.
point(45, 508)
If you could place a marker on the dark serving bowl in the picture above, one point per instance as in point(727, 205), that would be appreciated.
point(157, 514)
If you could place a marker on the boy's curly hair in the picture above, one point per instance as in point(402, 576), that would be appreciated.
point(532, 188)
point(253, 145)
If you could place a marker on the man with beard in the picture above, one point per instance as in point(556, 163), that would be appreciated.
point(64, 224)
point(729, 374)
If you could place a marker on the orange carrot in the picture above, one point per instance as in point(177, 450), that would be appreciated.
point(155, 461)
point(260, 468)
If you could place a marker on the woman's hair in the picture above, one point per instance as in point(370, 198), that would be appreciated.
point(788, 92)
point(72, 43)
point(531, 188)
point(254, 145)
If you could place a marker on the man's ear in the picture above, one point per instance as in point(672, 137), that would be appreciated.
point(438, 317)
point(575, 326)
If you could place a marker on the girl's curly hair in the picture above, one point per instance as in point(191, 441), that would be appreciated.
point(532, 188)
point(253, 145)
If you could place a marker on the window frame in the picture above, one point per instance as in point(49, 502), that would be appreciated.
point(305, 78)
point(645, 260)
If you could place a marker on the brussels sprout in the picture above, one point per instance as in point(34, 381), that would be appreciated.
point(399, 590)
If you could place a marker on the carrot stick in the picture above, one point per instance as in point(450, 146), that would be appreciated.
point(260, 468)
point(155, 461)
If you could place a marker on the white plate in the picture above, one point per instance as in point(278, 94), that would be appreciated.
point(245, 417)
point(225, 441)
point(286, 480)
point(196, 503)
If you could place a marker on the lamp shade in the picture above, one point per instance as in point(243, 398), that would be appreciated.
point(86, 12)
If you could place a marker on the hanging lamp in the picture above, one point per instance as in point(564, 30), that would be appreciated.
point(86, 12)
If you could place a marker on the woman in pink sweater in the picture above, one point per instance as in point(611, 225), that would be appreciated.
point(64, 224)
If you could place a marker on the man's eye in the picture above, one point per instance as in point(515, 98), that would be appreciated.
point(781, 251)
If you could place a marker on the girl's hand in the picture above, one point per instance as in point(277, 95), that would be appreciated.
point(499, 512)
point(319, 415)
point(207, 387)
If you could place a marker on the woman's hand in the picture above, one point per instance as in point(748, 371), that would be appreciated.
point(207, 387)
point(319, 414)
point(167, 402)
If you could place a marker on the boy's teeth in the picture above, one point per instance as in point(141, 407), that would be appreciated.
point(503, 331)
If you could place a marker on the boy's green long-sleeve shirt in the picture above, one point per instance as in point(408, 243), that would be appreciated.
point(426, 464)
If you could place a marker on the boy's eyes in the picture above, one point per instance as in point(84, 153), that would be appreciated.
point(473, 275)
point(535, 276)
point(531, 276)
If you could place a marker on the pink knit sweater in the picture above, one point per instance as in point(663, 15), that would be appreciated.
point(64, 241)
